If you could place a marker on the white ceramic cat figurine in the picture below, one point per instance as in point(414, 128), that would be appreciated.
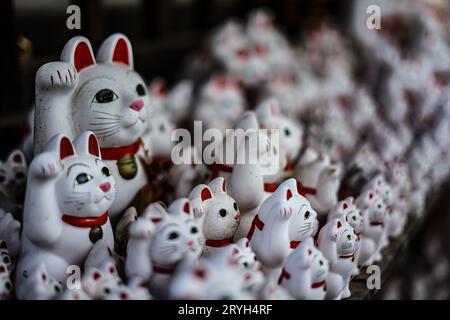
point(176, 237)
point(250, 182)
point(5, 257)
point(6, 287)
point(10, 232)
point(295, 275)
point(69, 193)
point(157, 137)
point(13, 174)
point(40, 285)
point(217, 213)
point(103, 95)
point(221, 103)
point(283, 221)
point(291, 136)
point(338, 242)
point(346, 210)
point(373, 210)
point(319, 182)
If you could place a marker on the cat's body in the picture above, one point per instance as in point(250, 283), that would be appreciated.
point(108, 98)
point(283, 221)
point(338, 242)
point(66, 207)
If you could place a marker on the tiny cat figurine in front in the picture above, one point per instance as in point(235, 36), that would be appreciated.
point(13, 174)
point(283, 221)
point(69, 193)
point(217, 212)
point(103, 95)
point(338, 242)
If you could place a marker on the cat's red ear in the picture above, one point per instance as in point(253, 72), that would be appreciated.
point(186, 207)
point(224, 186)
point(200, 272)
point(344, 206)
point(205, 194)
point(339, 224)
point(78, 52)
point(288, 194)
point(17, 158)
point(116, 49)
point(87, 143)
point(65, 148)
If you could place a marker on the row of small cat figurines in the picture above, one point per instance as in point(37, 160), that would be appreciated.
point(162, 240)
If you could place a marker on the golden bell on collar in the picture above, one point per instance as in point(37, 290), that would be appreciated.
point(127, 167)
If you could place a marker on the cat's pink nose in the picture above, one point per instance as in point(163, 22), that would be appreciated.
point(137, 105)
point(105, 186)
point(190, 243)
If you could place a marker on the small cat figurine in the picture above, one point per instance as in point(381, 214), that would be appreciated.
point(373, 210)
point(5, 257)
point(40, 285)
point(346, 210)
point(338, 242)
point(176, 237)
point(13, 179)
point(10, 233)
point(296, 275)
point(69, 193)
point(221, 103)
point(6, 287)
point(291, 136)
point(283, 221)
point(103, 95)
point(217, 212)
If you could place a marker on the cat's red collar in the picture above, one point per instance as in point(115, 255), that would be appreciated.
point(270, 187)
point(256, 223)
point(85, 222)
point(218, 243)
point(348, 256)
point(164, 270)
point(120, 152)
point(377, 223)
point(294, 244)
point(284, 275)
point(318, 284)
point(219, 167)
point(305, 190)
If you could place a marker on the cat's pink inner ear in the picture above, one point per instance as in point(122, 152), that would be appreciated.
point(344, 206)
point(339, 224)
point(186, 207)
point(2, 269)
point(83, 57)
point(288, 194)
point(18, 158)
point(65, 148)
point(224, 186)
point(273, 108)
point(93, 146)
point(235, 251)
point(121, 52)
point(370, 195)
point(206, 194)
point(155, 219)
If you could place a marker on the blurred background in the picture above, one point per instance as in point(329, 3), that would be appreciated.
point(164, 35)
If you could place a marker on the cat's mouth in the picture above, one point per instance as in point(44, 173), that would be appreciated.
point(139, 120)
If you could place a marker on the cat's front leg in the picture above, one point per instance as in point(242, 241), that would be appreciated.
point(55, 85)
point(42, 219)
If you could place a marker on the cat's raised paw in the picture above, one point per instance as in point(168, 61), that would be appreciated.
point(46, 165)
point(57, 75)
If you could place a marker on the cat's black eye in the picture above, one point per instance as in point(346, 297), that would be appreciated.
point(6, 260)
point(8, 286)
point(173, 235)
point(254, 258)
point(307, 215)
point(106, 290)
point(194, 230)
point(223, 212)
point(287, 132)
point(245, 264)
point(105, 96)
point(349, 237)
point(106, 171)
point(321, 262)
point(354, 218)
point(162, 128)
point(379, 206)
point(140, 90)
point(57, 288)
point(83, 178)
point(20, 175)
point(235, 206)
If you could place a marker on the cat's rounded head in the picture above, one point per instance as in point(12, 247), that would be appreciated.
point(110, 99)
point(222, 214)
point(85, 187)
point(270, 117)
point(347, 241)
point(302, 257)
